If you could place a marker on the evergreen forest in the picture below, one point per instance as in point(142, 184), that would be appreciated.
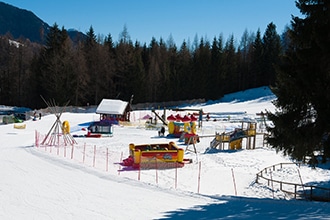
point(91, 68)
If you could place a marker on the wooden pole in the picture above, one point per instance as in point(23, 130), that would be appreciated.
point(271, 178)
point(301, 181)
point(232, 173)
point(199, 176)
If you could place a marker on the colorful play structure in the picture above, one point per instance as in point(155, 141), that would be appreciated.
point(153, 123)
point(234, 138)
point(66, 127)
point(182, 127)
point(149, 156)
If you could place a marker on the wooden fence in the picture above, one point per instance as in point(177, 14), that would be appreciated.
point(298, 191)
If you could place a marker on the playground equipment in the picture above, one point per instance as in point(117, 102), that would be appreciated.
point(235, 138)
point(19, 126)
point(163, 155)
point(179, 126)
point(153, 123)
point(66, 127)
point(159, 117)
point(199, 113)
point(59, 130)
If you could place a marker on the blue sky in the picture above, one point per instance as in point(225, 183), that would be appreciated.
point(181, 19)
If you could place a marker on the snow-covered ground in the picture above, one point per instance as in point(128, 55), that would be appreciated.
point(58, 183)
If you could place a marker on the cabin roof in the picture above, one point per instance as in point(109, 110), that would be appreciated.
point(112, 107)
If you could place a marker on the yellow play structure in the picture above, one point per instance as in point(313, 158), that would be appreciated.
point(66, 127)
point(158, 155)
point(181, 125)
point(234, 138)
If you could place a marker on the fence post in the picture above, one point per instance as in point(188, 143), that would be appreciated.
point(311, 193)
point(84, 152)
point(36, 138)
point(72, 151)
point(199, 176)
point(120, 161)
point(107, 161)
point(302, 184)
point(94, 155)
point(176, 174)
point(271, 177)
point(139, 172)
point(156, 170)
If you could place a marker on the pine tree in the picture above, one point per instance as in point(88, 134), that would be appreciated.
point(271, 52)
point(95, 63)
point(137, 78)
point(230, 66)
point(215, 82)
point(80, 79)
point(184, 72)
point(124, 64)
point(55, 73)
point(257, 61)
point(110, 47)
point(201, 70)
point(302, 122)
point(245, 60)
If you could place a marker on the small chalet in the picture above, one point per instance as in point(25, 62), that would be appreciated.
point(114, 109)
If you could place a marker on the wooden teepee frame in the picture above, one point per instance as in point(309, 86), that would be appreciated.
point(56, 134)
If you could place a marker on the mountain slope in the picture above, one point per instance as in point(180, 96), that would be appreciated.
point(23, 23)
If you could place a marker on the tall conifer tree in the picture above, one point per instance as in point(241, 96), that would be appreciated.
point(271, 52)
point(302, 122)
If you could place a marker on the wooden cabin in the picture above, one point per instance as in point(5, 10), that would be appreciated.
point(114, 109)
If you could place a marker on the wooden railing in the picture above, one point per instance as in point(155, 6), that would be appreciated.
point(299, 191)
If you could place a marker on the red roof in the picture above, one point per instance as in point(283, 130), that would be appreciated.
point(193, 118)
point(185, 119)
point(178, 117)
point(171, 118)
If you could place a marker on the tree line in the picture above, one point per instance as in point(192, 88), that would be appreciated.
point(89, 69)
